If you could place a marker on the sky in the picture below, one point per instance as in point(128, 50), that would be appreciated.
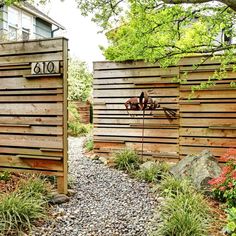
point(82, 33)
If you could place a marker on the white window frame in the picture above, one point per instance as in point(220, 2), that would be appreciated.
point(19, 25)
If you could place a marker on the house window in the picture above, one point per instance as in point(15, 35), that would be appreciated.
point(26, 26)
point(20, 24)
point(13, 23)
point(12, 33)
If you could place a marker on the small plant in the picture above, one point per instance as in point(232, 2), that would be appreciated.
point(154, 173)
point(35, 187)
point(231, 219)
point(186, 214)
point(21, 208)
point(224, 187)
point(75, 128)
point(89, 144)
point(5, 176)
point(127, 160)
point(172, 186)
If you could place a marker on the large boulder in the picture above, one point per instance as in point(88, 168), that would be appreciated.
point(199, 168)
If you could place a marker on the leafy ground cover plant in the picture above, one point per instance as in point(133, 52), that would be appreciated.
point(231, 219)
point(154, 173)
point(127, 160)
point(224, 187)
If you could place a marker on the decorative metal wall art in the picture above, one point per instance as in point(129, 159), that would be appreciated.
point(146, 103)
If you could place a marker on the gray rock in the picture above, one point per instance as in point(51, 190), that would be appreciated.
point(199, 168)
point(59, 199)
point(103, 160)
point(147, 165)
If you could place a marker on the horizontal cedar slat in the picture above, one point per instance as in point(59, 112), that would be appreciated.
point(212, 142)
point(31, 109)
point(206, 132)
point(5, 128)
point(29, 151)
point(36, 141)
point(23, 83)
point(136, 72)
point(14, 161)
point(164, 133)
point(31, 47)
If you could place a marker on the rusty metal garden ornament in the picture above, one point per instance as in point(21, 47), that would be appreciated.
point(146, 103)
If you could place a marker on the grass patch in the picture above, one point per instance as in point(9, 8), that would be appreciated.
point(89, 145)
point(170, 186)
point(185, 211)
point(20, 209)
point(75, 128)
point(154, 173)
point(127, 159)
point(185, 215)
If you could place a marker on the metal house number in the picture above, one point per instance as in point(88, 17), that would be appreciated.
point(46, 67)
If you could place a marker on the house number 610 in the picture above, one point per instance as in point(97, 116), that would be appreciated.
point(46, 67)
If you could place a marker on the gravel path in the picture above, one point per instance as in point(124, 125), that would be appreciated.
point(107, 202)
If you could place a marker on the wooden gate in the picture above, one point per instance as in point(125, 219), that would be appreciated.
point(33, 108)
point(205, 122)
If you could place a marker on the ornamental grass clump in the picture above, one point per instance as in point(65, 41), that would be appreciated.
point(154, 173)
point(185, 212)
point(127, 160)
point(20, 209)
point(224, 187)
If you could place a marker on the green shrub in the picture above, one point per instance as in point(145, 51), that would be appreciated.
point(127, 160)
point(172, 186)
point(75, 128)
point(186, 214)
point(231, 219)
point(153, 174)
point(5, 175)
point(21, 208)
point(89, 144)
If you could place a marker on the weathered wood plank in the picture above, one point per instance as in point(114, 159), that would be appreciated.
point(31, 120)
point(162, 92)
point(208, 142)
point(137, 72)
point(222, 107)
point(30, 151)
point(31, 109)
point(164, 133)
point(49, 130)
point(54, 56)
point(31, 47)
point(206, 132)
point(13, 162)
point(206, 122)
point(36, 141)
point(23, 83)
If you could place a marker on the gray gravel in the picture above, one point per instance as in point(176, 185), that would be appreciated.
point(106, 202)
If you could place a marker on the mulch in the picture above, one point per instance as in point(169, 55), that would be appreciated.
point(8, 186)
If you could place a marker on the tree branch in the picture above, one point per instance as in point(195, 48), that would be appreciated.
point(229, 3)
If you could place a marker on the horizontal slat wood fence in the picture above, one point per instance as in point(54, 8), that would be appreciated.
point(207, 121)
point(33, 109)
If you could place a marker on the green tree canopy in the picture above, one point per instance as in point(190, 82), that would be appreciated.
point(79, 80)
